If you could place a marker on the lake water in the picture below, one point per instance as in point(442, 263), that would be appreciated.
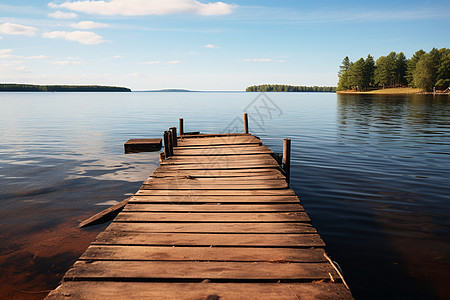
point(372, 172)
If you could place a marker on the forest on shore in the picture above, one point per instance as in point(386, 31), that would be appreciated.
point(424, 70)
point(290, 88)
point(12, 87)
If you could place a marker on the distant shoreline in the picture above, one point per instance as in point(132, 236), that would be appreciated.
point(12, 87)
point(392, 91)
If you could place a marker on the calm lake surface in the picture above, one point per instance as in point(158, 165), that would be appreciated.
point(372, 172)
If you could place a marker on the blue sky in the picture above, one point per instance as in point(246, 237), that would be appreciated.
point(199, 45)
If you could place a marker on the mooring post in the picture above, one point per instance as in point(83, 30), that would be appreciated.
point(169, 141)
point(246, 123)
point(287, 158)
point(174, 136)
point(181, 126)
point(166, 144)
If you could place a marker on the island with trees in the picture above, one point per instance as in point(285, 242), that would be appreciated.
point(12, 87)
point(290, 88)
point(424, 71)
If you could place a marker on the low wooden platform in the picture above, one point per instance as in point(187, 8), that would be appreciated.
point(142, 145)
point(215, 221)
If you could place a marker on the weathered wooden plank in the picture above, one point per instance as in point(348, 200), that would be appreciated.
point(199, 186)
point(218, 155)
point(206, 135)
point(218, 142)
point(280, 192)
point(213, 208)
point(217, 173)
point(219, 158)
point(149, 253)
point(105, 215)
point(207, 290)
point(208, 180)
point(219, 166)
point(196, 199)
point(246, 146)
point(147, 270)
point(223, 151)
point(212, 217)
point(193, 138)
point(209, 239)
point(286, 228)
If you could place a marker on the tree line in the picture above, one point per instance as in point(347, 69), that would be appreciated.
point(423, 70)
point(290, 88)
point(12, 87)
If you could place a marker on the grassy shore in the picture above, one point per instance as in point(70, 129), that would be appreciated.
point(389, 91)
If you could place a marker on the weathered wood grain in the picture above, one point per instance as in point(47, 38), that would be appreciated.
point(155, 253)
point(226, 192)
point(196, 199)
point(194, 291)
point(259, 228)
point(212, 217)
point(151, 270)
point(209, 239)
point(213, 208)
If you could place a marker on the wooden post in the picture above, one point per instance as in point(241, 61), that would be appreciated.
point(169, 140)
point(181, 126)
point(166, 144)
point(246, 123)
point(174, 136)
point(287, 158)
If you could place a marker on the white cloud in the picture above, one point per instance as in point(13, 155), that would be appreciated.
point(83, 37)
point(174, 62)
point(63, 15)
point(146, 7)
point(67, 62)
point(117, 56)
point(37, 57)
point(5, 51)
point(9, 28)
point(263, 60)
point(151, 62)
point(88, 25)
point(211, 46)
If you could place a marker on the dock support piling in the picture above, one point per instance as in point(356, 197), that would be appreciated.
point(169, 140)
point(174, 136)
point(287, 158)
point(246, 123)
point(166, 144)
point(181, 126)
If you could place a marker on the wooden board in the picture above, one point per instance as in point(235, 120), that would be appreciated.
point(198, 199)
point(260, 228)
point(217, 173)
point(209, 239)
point(213, 186)
point(213, 208)
point(154, 270)
point(206, 180)
point(222, 151)
point(212, 217)
point(107, 290)
point(155, 253)
point(228, 192)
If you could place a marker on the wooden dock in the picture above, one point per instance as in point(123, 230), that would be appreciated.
point(217, 220)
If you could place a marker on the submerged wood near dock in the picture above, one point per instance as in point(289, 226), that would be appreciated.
point(217, 220)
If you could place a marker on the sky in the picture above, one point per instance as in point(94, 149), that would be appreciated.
point(207, 45)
